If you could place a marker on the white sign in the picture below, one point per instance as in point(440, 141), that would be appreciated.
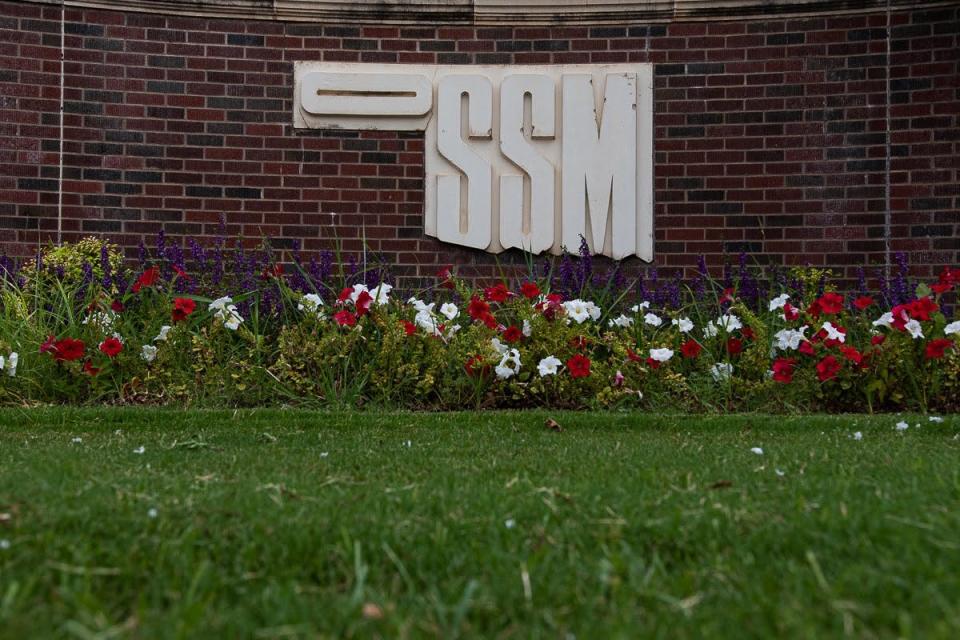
point(526, 157)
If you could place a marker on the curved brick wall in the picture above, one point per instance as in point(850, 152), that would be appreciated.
point(831, 140)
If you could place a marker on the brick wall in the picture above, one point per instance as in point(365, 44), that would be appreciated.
point(810, 140)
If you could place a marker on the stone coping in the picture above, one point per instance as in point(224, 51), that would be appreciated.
point(494, 12)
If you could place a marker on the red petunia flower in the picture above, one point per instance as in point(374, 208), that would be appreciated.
point(408, 327)
point(550, 306)
point(579, 342)
point(183, 274)
point(445, 277)
point(489, 320)
point(790, 312)
point(116, 306)
point(921, 308)
point(863, 302)
point(68, 349)
point(936, 348)
point(344, 318)
point(727, 295)
point(578, 366)
point(530, 290)
point(828, 368)
point(734, 346)
point(851, 354)
point(89, 369)
point(48, 344)
point(182, 307)
point(941, 287)
point(147, 279)
point(806, 348)
point(269, 272)
point(830, 303)
point(878, 340)
point(111, 346)
point(783, 369)
point(476, 308)
point(345, 294)
point(747, 333)
point(633, 356)
point(496, 293)
point(362, 303)
point(474, 366)
point(690, 349)
point(512, 334)
point(653, 364)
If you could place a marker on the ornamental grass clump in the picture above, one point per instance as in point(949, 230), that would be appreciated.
point(243, 328)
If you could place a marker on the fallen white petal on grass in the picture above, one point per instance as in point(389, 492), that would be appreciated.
point(324, 454)
point(857, 435)
point(509, 523)
point(902, 426)
point(780, 472)
point(77, 440)
point(4, 544)
point(152, 513)
point(757, 450)
point(935, 419)
point(139, 450)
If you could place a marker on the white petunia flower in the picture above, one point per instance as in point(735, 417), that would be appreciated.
point(729, 322)
point(721, 371)
point(220, 303)
point(914, 329)
point(527, 329)
point(101, 320)
point(420, 305)
point(225, 311)
point(427, 321)
point(885, 320)
point(162, 336)
point(498, 346)
point(661, 355)
point(790, 339)
point(449, 310)
point(577, 310)
point(381, 293)
point(779, 302)
point(504, 370)
point(10, 366)
point(833, 333)
point(312, 303)
point(637, 308)
point(148, 352)
point(452, 330)
point(653, 320)
point(710, 330)
point(548, 366)
point(621, 321)
point(953, 327)
point(683, 324)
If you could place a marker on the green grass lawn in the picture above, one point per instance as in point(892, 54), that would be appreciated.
point(286, 524)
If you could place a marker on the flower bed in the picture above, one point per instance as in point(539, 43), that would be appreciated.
point(78, 327)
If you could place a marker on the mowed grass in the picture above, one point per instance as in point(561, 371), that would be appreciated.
point(295, 524)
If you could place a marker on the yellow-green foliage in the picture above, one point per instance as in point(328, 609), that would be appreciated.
point(70, 257)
